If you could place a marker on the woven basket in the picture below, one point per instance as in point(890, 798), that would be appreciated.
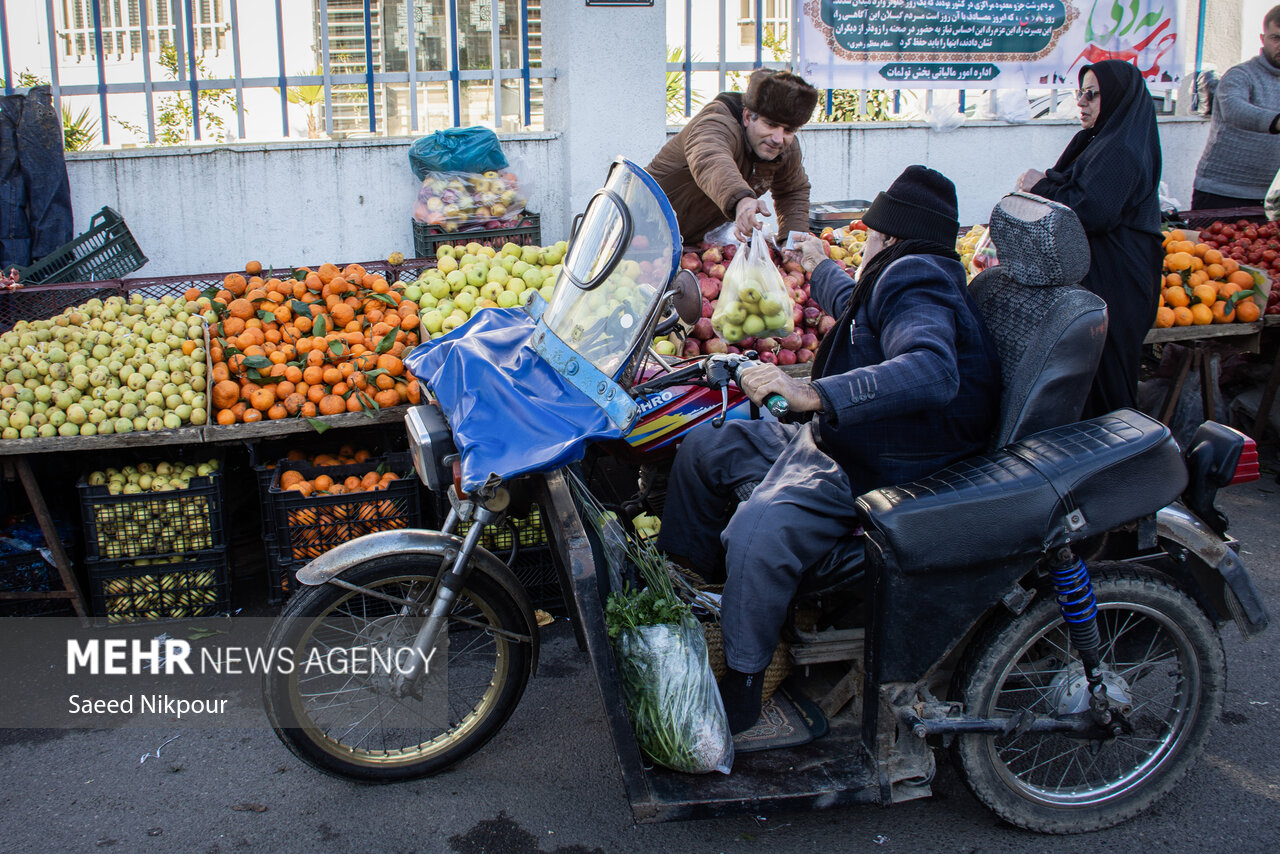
point(778, 670)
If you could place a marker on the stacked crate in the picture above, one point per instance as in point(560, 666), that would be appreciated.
point(305, 526)
point(156, 555)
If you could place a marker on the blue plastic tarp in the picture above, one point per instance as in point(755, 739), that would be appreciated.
point(510, 411)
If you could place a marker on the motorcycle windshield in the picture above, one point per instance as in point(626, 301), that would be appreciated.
point(623, 252)
point(515, 390)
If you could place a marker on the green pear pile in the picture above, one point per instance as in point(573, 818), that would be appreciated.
point(152, 525)
point(107, 366)
point(170, 595)
point(469, 278)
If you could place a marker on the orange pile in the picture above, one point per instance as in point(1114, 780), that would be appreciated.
point(1201, 286)
point(322, 484)
point(323, 342)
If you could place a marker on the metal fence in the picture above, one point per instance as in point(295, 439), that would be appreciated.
point(364, 53)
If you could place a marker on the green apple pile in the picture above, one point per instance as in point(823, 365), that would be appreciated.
point(150, 524)
point(647, 526)
point(529, 532)
point(107, 366)
point(469, 278)
point(171, 595)
point(751, 305)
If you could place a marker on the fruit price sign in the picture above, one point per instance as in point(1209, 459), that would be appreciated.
point(982, 44)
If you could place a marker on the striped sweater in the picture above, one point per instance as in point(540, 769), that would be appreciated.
point(1242, 154)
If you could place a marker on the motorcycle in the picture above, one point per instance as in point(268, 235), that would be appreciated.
point(1049, 611)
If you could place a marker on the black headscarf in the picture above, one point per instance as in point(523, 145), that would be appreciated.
point(1126, 122)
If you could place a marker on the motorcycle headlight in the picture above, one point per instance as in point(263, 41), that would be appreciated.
point(429, 443)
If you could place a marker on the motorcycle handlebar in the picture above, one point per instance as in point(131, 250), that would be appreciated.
point(715, 372)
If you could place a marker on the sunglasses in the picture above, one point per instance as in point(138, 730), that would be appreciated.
point(1088, 95)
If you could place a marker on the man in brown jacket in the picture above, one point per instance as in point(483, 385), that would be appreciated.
point(734, 150)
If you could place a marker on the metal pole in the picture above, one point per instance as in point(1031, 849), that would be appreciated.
point(102, 71)
point(235, 59)
point(411, 15)
point(495, 49)
point(4, 49)
point(54, 87)
point(759, 33)
point(721, 82)
point(146, 72)
point(688, 58)
point(328, 76)
point(1200, 36)
point(524, 69)
point(284, 78)
point(191, 67)
point(453, 64)
point(368, 67)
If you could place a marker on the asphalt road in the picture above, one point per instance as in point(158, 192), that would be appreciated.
point(549, 782)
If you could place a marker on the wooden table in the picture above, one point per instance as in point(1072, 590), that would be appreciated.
point(17, 453)
point(1243, 336)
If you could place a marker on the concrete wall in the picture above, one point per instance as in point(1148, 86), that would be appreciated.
point(210, 208)
point(203, 209)
point(984, 159)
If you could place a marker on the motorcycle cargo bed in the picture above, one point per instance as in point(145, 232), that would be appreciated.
point(831, 771)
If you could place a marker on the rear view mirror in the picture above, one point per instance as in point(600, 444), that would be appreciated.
point(687, 297)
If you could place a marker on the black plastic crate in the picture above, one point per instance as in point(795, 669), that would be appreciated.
point(536, 570)
point(528, 530)
point(118, 527)
point(31, 571)
point(106, 251)
point(305, 527)
point(426, 238)
point(164, 587)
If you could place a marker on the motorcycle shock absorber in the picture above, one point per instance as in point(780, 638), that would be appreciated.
point(1079, 609)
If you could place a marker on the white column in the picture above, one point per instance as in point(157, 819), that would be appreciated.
point(608, 97)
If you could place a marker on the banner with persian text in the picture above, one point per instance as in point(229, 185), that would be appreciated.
point(982, 44)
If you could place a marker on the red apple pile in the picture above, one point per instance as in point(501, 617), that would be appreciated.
point(811, 324)
point(1255, 244)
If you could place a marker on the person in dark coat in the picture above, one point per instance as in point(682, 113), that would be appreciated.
point(1109, 175)
point(905, 383)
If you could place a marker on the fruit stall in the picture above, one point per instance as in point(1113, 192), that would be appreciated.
point(172, 422)
point(152, 396)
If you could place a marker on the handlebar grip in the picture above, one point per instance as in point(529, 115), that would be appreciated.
point(777, 405)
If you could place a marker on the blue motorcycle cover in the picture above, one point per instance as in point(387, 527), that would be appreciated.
point(510, 411)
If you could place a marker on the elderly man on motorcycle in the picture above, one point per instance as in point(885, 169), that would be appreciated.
point(907, 382)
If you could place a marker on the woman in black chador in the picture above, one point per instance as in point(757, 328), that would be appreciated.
point(1109, 175)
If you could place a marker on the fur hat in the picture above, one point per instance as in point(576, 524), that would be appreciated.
point(920, 204)
point(781, 97)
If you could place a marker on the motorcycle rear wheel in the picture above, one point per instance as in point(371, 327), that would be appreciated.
point(351, 726)
point(1160, 654)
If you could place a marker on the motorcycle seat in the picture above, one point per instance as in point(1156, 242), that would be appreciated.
point(1041, 492)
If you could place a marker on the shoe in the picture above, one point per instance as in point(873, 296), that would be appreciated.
point(742, 694)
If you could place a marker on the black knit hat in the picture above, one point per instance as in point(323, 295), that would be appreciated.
point(780, 96)
point(920, 204)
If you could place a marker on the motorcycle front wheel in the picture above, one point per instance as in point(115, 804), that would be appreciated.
point(357, 724)
point(1163, 665)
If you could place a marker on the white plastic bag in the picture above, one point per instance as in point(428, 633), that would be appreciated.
point(1271, 204)
point(675, 706)
point(461, 201)
point(754, 301)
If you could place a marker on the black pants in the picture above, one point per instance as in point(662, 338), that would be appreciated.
point(803, 505)
point(1203, 201)
point(35, 194)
